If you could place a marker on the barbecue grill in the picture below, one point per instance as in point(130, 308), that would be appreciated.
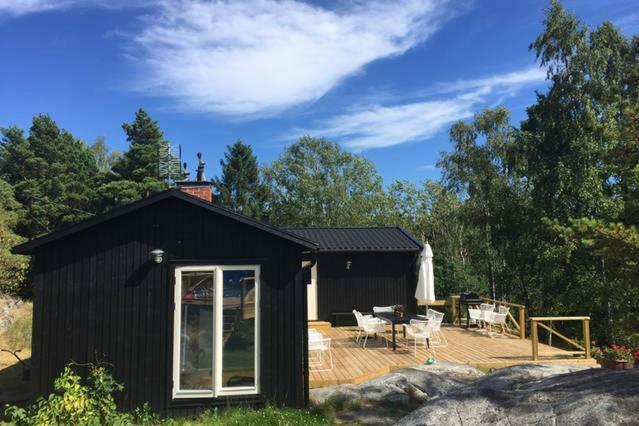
point(467, 300)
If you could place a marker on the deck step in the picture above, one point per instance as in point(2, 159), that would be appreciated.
point(319, 325)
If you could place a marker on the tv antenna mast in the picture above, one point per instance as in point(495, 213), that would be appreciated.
point(170, 163)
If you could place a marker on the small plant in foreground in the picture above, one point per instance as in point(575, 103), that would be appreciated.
point(79, 402)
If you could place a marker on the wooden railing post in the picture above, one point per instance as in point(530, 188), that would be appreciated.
point(586, 326)
point(522, 322)
point(535, 339)
point(453, 309)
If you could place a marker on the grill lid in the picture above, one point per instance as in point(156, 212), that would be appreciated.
point(469, 297)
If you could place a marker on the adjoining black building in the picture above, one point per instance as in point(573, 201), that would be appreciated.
point(196, 306)
point(192, 304)
point(358, 268)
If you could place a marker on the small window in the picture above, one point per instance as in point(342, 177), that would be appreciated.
point(216, 338)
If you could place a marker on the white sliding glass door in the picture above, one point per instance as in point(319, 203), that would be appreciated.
point(216, 333)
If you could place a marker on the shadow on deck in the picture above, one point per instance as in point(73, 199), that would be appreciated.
point(353, 364)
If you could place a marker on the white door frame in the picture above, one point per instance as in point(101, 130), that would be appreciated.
point(311, 293)
point(218, 304)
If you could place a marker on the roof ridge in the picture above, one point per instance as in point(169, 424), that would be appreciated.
point(360, 238)
point(27, 246)
point(240, 215)
point(341, 227)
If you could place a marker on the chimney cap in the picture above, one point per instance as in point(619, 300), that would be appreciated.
point(200, 168)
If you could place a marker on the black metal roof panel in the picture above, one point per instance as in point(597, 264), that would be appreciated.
point(29, 246)
point(377, 239)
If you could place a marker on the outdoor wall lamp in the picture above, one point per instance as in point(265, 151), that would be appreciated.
point(157, 255)
point(348, 265)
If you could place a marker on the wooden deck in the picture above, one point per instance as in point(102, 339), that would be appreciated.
point(352, 364)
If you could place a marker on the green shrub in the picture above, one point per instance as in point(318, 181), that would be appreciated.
point(79, 402)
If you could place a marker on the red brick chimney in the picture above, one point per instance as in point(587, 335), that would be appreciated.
point(200, 188)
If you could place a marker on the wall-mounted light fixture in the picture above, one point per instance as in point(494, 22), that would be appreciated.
point(348, 265)
point(157, 255)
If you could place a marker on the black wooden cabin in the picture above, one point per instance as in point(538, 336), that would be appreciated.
point(103, 291)
point(358, 268)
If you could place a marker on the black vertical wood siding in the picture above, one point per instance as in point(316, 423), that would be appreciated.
point(374, 279)
point(97, 296)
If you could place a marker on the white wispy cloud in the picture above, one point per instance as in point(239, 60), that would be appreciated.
point(381, 126)
point(24, 7)
point(259, 57)
point(378, 126)
point(509, 81)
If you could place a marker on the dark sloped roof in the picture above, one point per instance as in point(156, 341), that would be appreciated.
point(29, 246)
point(380, 239)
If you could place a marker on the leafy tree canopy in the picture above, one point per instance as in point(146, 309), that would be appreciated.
point(317, 183)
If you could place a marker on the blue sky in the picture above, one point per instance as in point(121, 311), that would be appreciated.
point(384, 79)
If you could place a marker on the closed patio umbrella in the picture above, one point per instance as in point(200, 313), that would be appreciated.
point(426, 282)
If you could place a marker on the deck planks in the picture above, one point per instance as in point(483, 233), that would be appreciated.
point(353, 364)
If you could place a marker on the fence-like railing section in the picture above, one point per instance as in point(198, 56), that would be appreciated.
point(517, 322)
point(536, 322)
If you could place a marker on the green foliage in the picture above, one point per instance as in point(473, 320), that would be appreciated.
point(52, 174)
point(554, 204)
point(141, 160)
point(240, 188)
point(80, 402)
point(614, 352)
point(434, 213)
point(316, 183)
point(13, 268)
point(104, 157)
point(268, 416)
point(136, 173)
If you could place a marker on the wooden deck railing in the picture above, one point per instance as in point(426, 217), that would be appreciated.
point(536, 322)
point(518, 323)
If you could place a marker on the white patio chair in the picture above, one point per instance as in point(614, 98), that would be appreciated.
point(362, 320)
point(505, 310)
point(381, 309)
point(436, 318)
point(418, 330)
point(496, 319)
point(486, 311)
point(474, 316)
point(314, 334)
point(318, 345)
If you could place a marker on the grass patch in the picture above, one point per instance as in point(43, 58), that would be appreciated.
point(268, 416)
point(18, 335)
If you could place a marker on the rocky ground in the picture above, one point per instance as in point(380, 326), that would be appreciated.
point(453, 394)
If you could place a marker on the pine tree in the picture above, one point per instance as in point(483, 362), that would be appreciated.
point(239, 187)
point(140, 162)
point(135, 174)
point(13, 267)
point(52, 174)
